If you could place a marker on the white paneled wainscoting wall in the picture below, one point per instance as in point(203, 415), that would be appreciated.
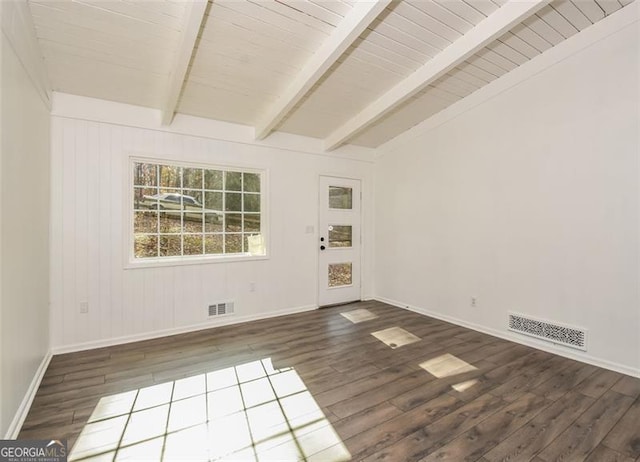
point(89, 225)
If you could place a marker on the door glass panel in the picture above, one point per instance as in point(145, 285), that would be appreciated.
point(340, 236)
point(340, 274)
point(340, 197)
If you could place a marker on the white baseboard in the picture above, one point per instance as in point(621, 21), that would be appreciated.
point(514, 337)
point(21, 414)
point(223, 321)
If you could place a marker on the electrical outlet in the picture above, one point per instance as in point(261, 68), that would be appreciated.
point(474, 302)
point(84, 307)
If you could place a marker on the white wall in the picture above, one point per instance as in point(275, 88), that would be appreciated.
point(89, 158)
point(528, 201)
point(24, 230)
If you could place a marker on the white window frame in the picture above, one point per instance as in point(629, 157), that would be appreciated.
point(131, 262)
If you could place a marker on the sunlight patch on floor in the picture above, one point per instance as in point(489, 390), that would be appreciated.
point(464, 386)
point(446, 365)
point(395, 337)
point(361, 315)
point(247, 412)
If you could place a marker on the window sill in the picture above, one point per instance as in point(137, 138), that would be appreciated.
point(181, 261)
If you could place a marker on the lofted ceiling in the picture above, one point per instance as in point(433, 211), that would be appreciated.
point(346, 71)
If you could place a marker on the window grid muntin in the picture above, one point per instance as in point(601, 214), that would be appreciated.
point(178, 187)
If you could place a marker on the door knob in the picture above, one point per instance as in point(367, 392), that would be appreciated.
point(322, 247)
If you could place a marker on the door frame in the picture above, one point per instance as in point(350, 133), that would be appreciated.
point(317, 233)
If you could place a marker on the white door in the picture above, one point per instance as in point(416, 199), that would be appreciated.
point(339, 240)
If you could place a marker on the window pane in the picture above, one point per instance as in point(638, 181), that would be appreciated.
point(251, 222)
point(233, 243)
point(340, 198)
point(170, 199)
point(213, 244)
point(252, 202)
point(340, 274)
point(145, 246)
point(254, 244)
point(170, 246)
point(169, 176)
point(251, 182)
point(192, 244)
point(191, 199)
point(145, 174)
point(192, 178)
point(145, 198)
point(233, 222)
point(233, 202)
point(213, 179)
point(192, 222)
point(340, 236)
point(170, 222)
point(145, 222)
point(233, 181)
point(213, 222)
point(213, 200)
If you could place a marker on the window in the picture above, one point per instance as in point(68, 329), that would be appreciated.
point(187, 211)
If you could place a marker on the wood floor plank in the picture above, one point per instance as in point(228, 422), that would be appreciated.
point(577, 441)
point(455, 394)
point(624, 436)
point(542, 430)
point(472, 444)
point(604, 454)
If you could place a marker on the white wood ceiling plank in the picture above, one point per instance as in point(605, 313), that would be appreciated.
point(485, 32)
point(572, 14)
point(334, 6)
point(442, 94)
point(105, 43)
point(507, 52)
point(557, 21)
point(476, 72)
point(397, 59)
point(486, 7)
point(378, 60)
point(543, 29)
point(56, 17)
point(399, 35)
point(443, 15)
point(194, 16)
point(170, 8)
point(316, 11)
point(239, 25)
point(486, 66)
point(270, 18)
point(503, 63)
point(626, 2)
point(609, 6)
point(248, 51)
point(532, 38)
point(82, 13)
point(590, 9)
point(468, 78)
point(97, 79)
point(141, 63)
point(519, 45)
point(340, 40)
point(293, 14)
point(445, 85)
point(453, 77)
point(463, 10)
point(257, 88)
point(142, 11)
point(389, 43)
point(417, 31)
point(412, 13)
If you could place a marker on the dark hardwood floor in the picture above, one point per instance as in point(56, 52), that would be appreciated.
point(319, 386)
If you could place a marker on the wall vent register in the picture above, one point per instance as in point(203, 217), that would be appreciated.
point(573, 337)
point(220, 309)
